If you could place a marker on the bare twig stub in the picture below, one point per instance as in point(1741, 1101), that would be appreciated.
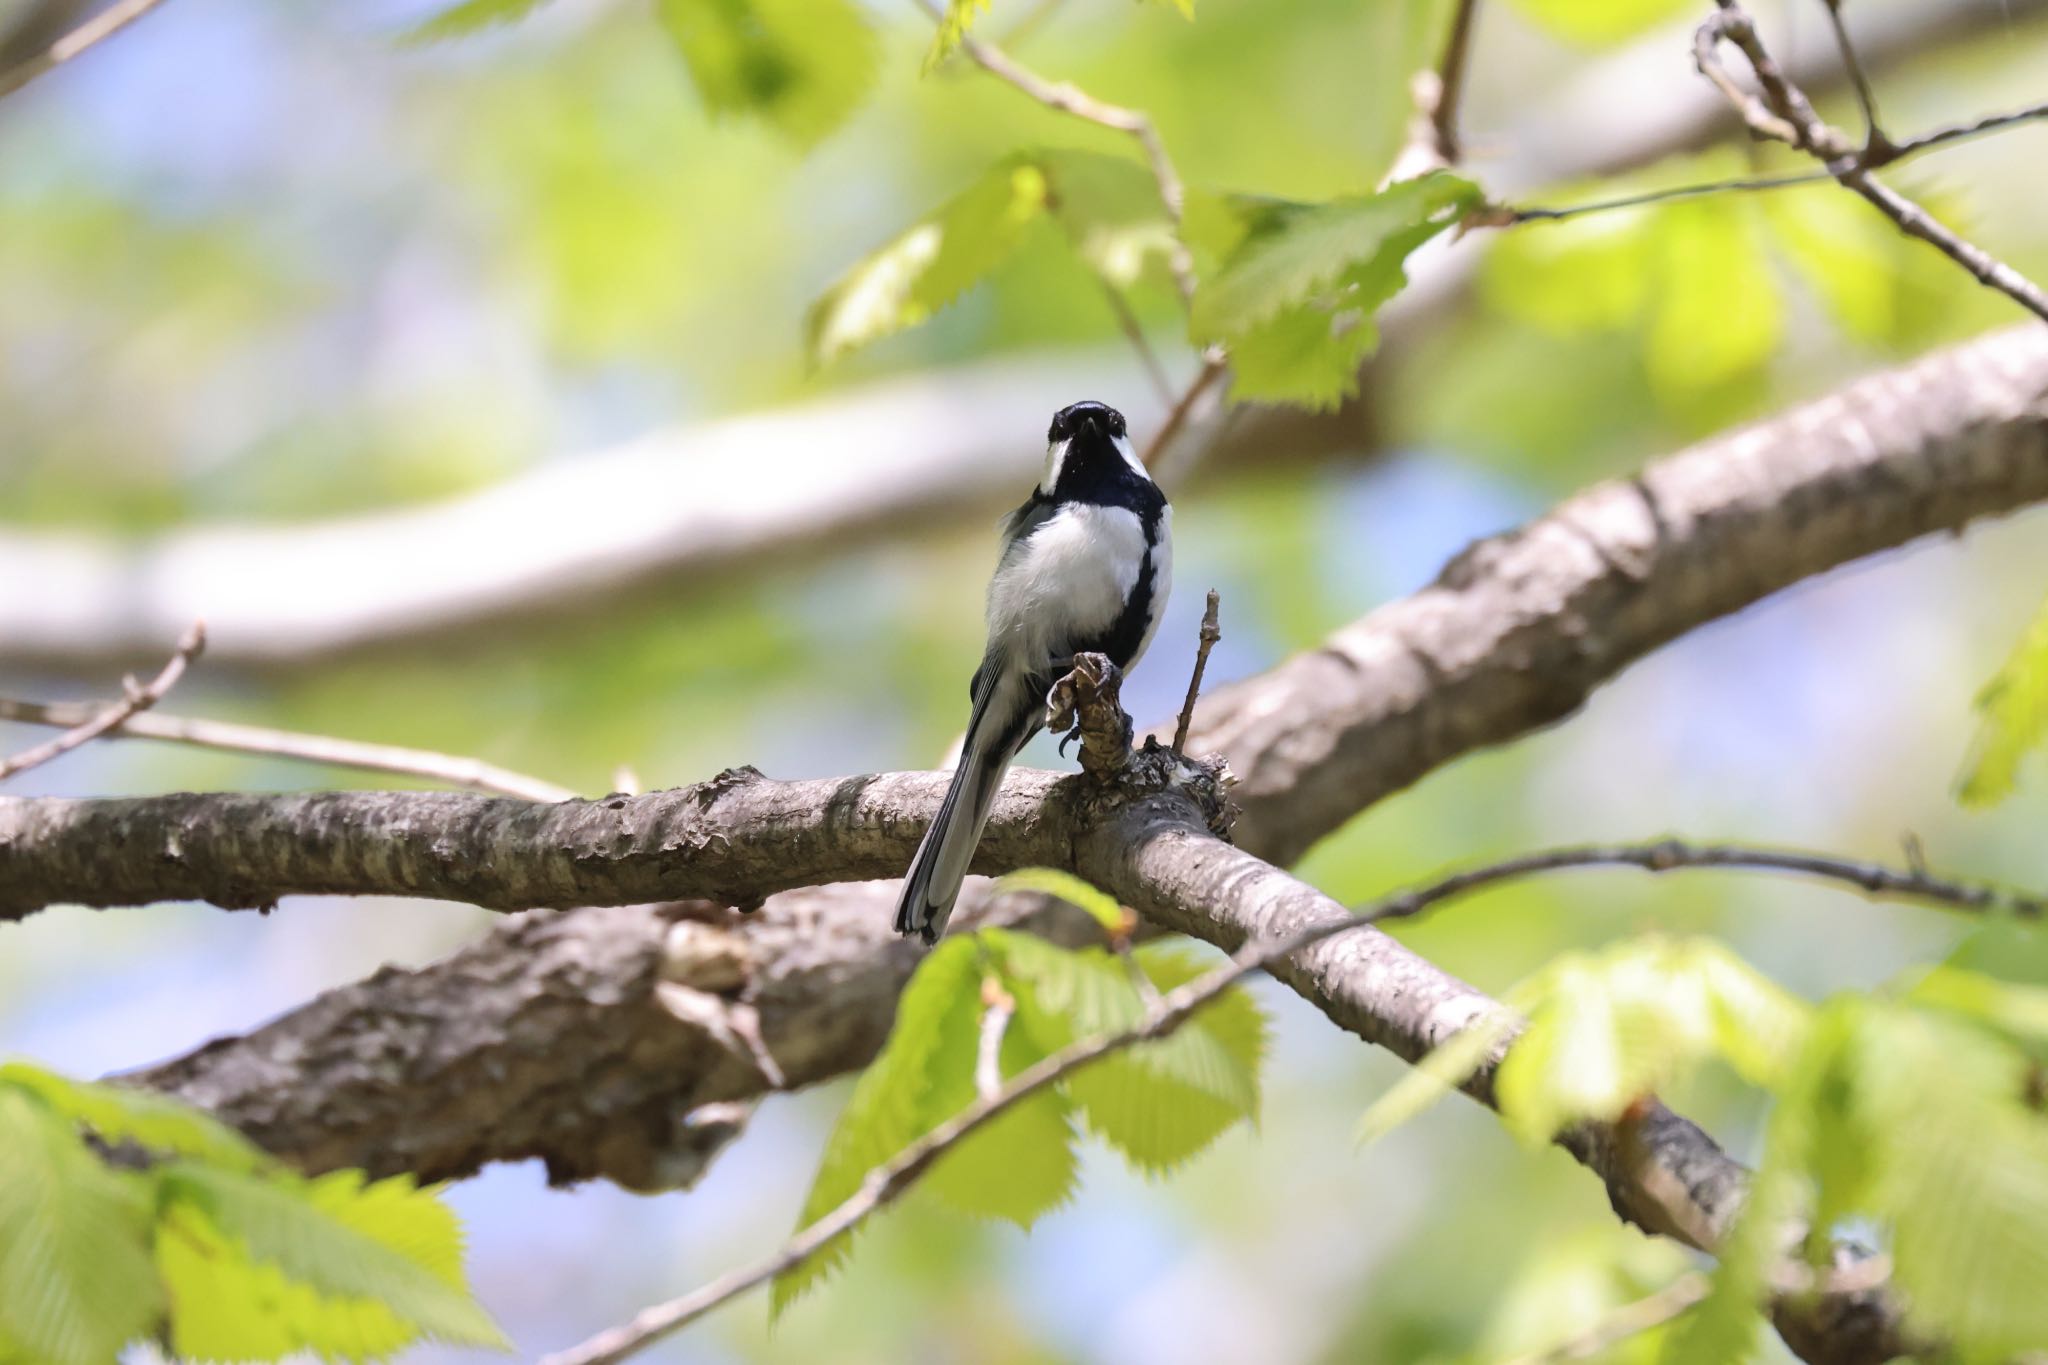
point(1086, 704)
point(1433, 142)
point(457, 771)
point(888, 1181)
point(138, 698)
point(1211, 633)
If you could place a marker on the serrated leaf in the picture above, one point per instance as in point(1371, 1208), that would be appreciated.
point(1292, 288)
point(75, 1278)
point(1049, 881)
point(386, 1242)
point(1110, 209)
point(885, 1113)
point(227, 1306)
point(2016, 1010)
point(2012, 719)
point(802, 66)
point(471, 16)
point(118, 1113)
point(928, 265)
point(1159, 1103)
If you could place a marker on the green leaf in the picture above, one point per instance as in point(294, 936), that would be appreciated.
point(1291, 289)
point(1049, 881)
point(1159, 1103)
point(119, 1113)
point(886, 1110)
point(802, 66)
point(387, 1242)
point(75, 1279)
point(927, 266)
point(2018, 1011)
point(1108, 207)
point(1609, 1028)
point(953, 26)
point(2013, 719)
point(471, 16)
point(1598, 22)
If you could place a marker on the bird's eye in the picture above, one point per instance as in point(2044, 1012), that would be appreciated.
point(1116, 424)
point(1057, 432)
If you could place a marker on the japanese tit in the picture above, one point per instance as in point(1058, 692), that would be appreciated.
point(1086, 564)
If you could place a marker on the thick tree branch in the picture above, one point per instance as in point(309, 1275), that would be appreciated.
point(552, 1037)
point(1518, 631)
point(92, 32)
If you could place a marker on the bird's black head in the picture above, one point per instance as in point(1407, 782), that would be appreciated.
point(1088, 456)
point(1069, 421)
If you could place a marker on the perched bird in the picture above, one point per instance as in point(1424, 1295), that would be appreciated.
point(1085, 567)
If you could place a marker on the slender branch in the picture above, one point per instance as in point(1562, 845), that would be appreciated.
point(1959, 132)
point(1134, 332)
point(97, 29)
point(472, 773)
point(137, 700)
point(1433, 141)
point(1629, 1320)
point(886, 1182)
point(1783, 113)
point(1211, 633)
point(1873, 134)
point(1512, 215)
point(1069, 98)
point(1214, 367)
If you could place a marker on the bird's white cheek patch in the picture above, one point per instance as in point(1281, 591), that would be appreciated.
point(1055, 458)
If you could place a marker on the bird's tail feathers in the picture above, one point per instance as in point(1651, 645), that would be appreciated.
point(933, 882)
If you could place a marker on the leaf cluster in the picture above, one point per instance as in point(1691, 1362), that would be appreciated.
point(126, 1216)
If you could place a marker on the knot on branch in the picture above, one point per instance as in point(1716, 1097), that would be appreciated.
point(1087, 704)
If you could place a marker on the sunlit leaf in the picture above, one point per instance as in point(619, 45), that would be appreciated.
point(1600, 21)
point(887, 1109)
point(388, 1242)
point(2013, 719)
point(800, 65)
point(2020, 1011)
point(1291, 289)
point(470, 16)
point(75, 1278)
point(120, 1113)
point(1443, 1070)
point(959, 16)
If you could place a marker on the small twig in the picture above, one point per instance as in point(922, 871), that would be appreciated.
point(1214, 367)
point(997, 1006)
point(97, 29)
point(1511, 215)
point(886, 1182)
point(1874, 140)
point(1784, 113)
point(1211, 633)
point(1068, 98)
point(138, 699)
point(1631, 1319)
point(1959, 132)
point(1135, 334)
point(1432, 142)
point(472, 773)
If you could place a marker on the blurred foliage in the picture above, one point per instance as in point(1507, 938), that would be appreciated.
point(2014, 708)
point(205, 1240)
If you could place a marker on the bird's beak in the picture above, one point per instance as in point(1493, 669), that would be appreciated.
point(1092, 422)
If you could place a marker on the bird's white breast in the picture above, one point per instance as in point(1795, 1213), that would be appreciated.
point(1069, 578)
